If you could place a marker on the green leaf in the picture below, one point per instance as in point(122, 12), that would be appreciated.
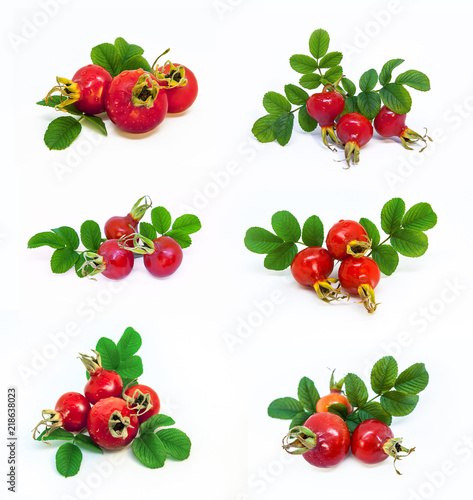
point(396, 98)
point(129, 343)
point(355, 389)
point(412, 380)
point(86, 443)
point(155, 422)
point(392, 214)
point(386, 72)
point(281, 257)
point(414, 79)
point(127, 50)
point(261, 241)
point(306, 122)
point(57, 435)
point(286, 226)
point(351, 105)
point(148, 231)
point(61, 132)
point(369, 104)
point(68, 459)
point(97, 122)
point(387, 259)
point(296, 95)
point(313, 232)
point(407, 242)
point(48, 239)
point(137, 62)
point(176, 443)
point(352, 421)
point(107, 56)
point(300, 419)
point(91, 235)
point(283, 128)
point(55, 100)
point(338, 409)
point(303, 64)
point(108, 353)
point(149, 450)
point(308, 394)
point(310, 81)
point(285, 408)
point(372, 230)
point(68, 235)
point(333, 74)
point(375, 410)
point(263, 129)
point(318, 43)
point(420, 217)
point(131, 367)
point(63, 259)
point(78, 266)
point(330, 60)
point(187, 223)
point(368, 80)
point(276, 104)
point(349, 86)
point(161, 219)
point(181, 237)
point(399, 404)
point(383, 374)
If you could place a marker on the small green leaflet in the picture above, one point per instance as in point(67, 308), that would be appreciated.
point(91, 235)
point(318, 43)
point(68, 459)
point(285, 408)
point(176, 443)
point(61, 132)
point(180, 230)
point(276, 104)
point(149, 450)
point(384, 374)
point(308, 394)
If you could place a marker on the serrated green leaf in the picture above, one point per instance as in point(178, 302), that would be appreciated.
point(97, 122)
point(409, 242)
point(129, 343)
point(375, 410)
point(383, 374)
point(392, 214)
point(399, 404)
point(187, 223)
point(396, 98)
point(303, 64)
point(412, 380)
point(68, 460)
point(263, 128)
point(296, 95)
point(333, 74)
point(306, 122)
point(63, 259)
point(127, 50)
point(131, 367)
point(68, 235)
point(136, 62)
point(330, 60)
point(308, 394)
point(86, 443)
point(414, 79)
point(313, 232)
point(261, 241)
point(147, 230)
point(369, 104)
point(368, 80)
point(161, 219)
point(352, 421)
point(61, 132)
point(276, 104)
point(355, 390)
point(338, 409)
point(300, 419)
point(91, 235)
point(387, 259)
point(149, 450)
point(350, 105)
point(107, 56)
point(386, 72)
point(310, 81)
point(283, 128)
point(55, 100)
point(181, 237)
point(109, 353)
point(349, 86)
point(420, 217)
point(318, 43)
point(285, 408)
point(176, 443)
point(48, 239)
point(58, 434)
point(281, 257)
point(81, 273)
point(372, 231)
point(286, 226)
point(155, 422)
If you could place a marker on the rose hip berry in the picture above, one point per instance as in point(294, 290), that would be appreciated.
point(119, 226)
point(390, 124)
point(324, 440)
point(102, 383)
point(143, 401)
point(354, 130)
point(333, 398)
point(373, 441)
point(347, 237)
point(111, 259)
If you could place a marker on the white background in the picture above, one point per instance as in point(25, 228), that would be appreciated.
point(217, 390)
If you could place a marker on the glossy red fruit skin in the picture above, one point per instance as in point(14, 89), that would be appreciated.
point(354, 127)
point(74, 409)
point(341, 234)
point(119, 226)
point(311, 265)
point(356, 271)
point(154, 398)
point(389, 124)
point(166, 258)
point(94, 82)
point(333, 440)
point(368, 439)
point(181, 98)
point(103, 384)
point(325, 107)
point(118, 261)
point(98, 423)
point(124, 114)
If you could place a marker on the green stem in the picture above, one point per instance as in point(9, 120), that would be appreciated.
point(296, 109)
point(382, 243)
